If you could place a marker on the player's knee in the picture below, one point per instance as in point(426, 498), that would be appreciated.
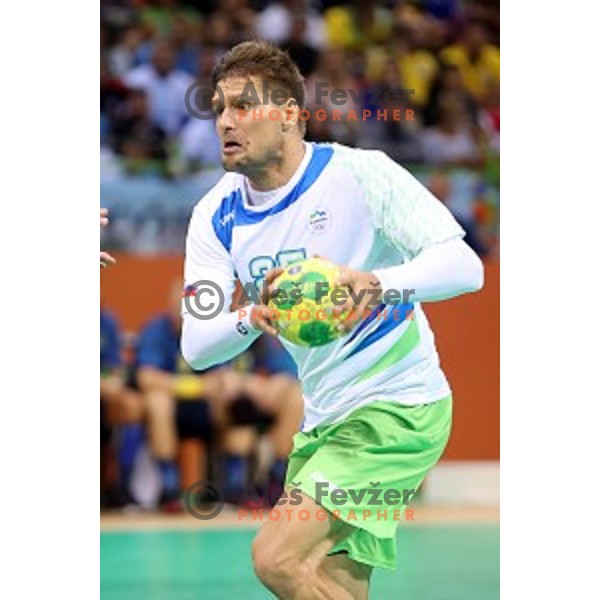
point(275, 569)
point(262, 561)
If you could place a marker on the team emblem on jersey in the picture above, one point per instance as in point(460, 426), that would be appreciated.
point(319, 220)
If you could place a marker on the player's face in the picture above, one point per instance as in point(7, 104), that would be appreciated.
point(251, 133)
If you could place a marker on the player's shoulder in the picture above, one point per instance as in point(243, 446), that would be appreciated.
point(349, 154)
point(363, 162)
point(220, 194)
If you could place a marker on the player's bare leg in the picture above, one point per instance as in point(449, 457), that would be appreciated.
point(353, 576)
point(289, 556)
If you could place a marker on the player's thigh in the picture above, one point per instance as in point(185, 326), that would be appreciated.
point(351, 575)
point(303, 531)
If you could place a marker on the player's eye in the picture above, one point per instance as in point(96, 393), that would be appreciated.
point(245, 106)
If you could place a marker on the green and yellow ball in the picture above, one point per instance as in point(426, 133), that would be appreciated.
point(302, 306)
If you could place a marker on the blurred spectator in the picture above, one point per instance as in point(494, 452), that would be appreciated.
point(165, 87)
point(341, 30)
point(490, 117)
point(265, 400)
point(451, 142)
point(397, 137)
point(460, 199)
point(159, 16)
point(219, 32)
point(442, 9)
point(112, 90)
point(302, 53)
point(418, 67)
point(132, 121)
point(120, 412)
point(275, 23)
point(333, 73)
point(478, 60)
point(123, 54)
point(200, 145)
point(449, 85)
point(242, 19)
point(179, 404)
point(182, 39)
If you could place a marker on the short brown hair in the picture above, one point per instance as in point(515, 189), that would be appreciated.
point(264, 60)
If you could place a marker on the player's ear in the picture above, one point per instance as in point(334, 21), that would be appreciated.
point(291, 113)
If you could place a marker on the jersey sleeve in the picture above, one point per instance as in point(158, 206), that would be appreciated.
point(406, 213)
point(210, 280)
point(206, 258)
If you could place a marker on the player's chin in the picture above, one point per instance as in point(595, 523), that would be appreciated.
point(232, 162)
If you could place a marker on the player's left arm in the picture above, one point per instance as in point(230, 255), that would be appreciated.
point(440, 266)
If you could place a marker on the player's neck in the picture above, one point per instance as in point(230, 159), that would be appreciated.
point(277, 175)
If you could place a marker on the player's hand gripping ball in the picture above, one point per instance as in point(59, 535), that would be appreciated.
point(302, 306)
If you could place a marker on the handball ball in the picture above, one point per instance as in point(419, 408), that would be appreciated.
point(302, 306)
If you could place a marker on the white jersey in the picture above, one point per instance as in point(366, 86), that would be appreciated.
point(356, 208)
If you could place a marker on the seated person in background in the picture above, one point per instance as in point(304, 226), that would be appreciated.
point(265, 398)
point(179, 404)
point(453, 141)
point(120, 410)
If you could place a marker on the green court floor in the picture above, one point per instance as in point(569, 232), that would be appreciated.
point(436, 563)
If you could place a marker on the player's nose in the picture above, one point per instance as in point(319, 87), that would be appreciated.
point(227, 119)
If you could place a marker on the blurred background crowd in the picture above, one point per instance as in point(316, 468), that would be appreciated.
point(439, 58)
point(173, 427)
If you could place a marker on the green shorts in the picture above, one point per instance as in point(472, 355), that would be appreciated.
point(366, 468)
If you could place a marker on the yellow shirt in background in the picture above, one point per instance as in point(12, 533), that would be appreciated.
point(480, 76)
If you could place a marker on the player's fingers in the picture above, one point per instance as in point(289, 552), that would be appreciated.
point(267, 284)
point(106, 259)
point(344, 277)
point(266, 326)
point(273, 274)
point(261, 319)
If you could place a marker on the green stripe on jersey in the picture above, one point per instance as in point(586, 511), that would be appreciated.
point(407, 343)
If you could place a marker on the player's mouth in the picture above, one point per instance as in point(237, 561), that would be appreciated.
point(232, 147)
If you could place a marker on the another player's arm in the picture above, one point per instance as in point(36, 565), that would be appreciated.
point(209, 342)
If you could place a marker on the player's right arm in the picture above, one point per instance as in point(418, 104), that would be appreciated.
point(211, 341)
